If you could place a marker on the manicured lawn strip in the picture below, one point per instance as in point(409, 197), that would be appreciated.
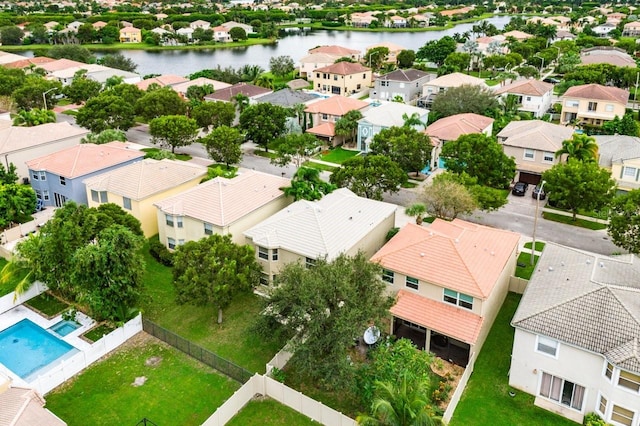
point(338, 155)
point(526, 271)
point(604, 215)
point(261, 153)
point(486, 400)
point(48, 304)
point(178, 391)
point(181, 157)
point(539, 245)
point(321, 167)
point(71, 112)
point(267, 412)
point(144, 46)
point(232, 339)
point(578, 222)
point(409, 184)
point(96, 333)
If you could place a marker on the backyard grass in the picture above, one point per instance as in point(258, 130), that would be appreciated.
point(338, 155)
point(321, 167)
point(96, 333)
point(267, 412)
point(47, 304)
point(233, 339)
point(486, 399)
point(578, 222)
point(178, 390)
point(526, 271)
point(181, 157)
point(539, 245)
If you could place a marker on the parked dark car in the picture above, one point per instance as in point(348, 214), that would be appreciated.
point(537, 190)
point(519, 189)
point(551, 80)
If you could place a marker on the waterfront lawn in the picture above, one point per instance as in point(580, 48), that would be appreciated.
point(144, 46)
point(589, 224)
point(526, 271)
point(486, 399)
point(178, 389)
point(338, 155)
point(267, 412)
point(233, 339)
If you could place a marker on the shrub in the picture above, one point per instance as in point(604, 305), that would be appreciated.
point(592, 419)
point(160, 253)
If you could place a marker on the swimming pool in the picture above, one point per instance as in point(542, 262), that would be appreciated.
point(64, 327)
point(26, 348)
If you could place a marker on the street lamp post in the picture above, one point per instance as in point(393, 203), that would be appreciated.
point(535, 222)
point(44, 96)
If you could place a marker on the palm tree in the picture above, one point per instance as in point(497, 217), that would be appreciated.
point(241, 101)
point(401, 404)
point(412, 120)
point(17, 271)
point(250, 72)
point(417, 210)
point(582, 147)
point(265, 81)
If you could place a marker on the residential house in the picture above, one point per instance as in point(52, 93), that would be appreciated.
point(517, 35)
point(343, 78)
point(338, 51)
point(200, 24)
point(98, 25)
point(130, 35)
point(7, 58)
point(631, 29)
point(432, 88)
point(186, 32)
point(563, 35)
point(492, 45)
point(577, 330)
point(453, 12)
point(305, 231)
point(621, 155)
point(232, 24)
point(450, 280)
point(96, 72)
point(314, 61)
point(616, 17)
point(361, 19)
point(21, 144)
point(384, 116)
point(399, 84)
point(321, 116)
point(162, 80)
point(604, 29)
point(422, 20)
point(26, 63)
point(228, 93)
point(395, 21)
point(593, 104)
point(220, 206)
point(533, 145)
point(394, 49)
point(59, 177)
point(221, 34)
point(450, 128)
point(182, 87)
point(73, 26)
point(24, 406)
point(137, 186)
point(288, 98)
point(533, 96)
point(607, 55)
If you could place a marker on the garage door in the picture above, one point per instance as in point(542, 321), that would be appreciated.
point(529, 178)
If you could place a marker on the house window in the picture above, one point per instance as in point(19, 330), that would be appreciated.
point(562, 391)
point(629, 380)
point(608, 108)
point(38, 194)
point(171, 243)
point(45, 194)
point(528, 98)
point(364, 76)
point(602, 405)
point(609, 371)
point(309, 262)
point(35, 176)
point(387, 276)
point(547, 346)
point(384, 83)
point(181, 242)
point(459, 299)
point(411, 282)
point(43, 175)
point(629, 172)
point(63, 181)
point(592, 106)
point(572, 104)
point(325, 117)
point(622, 415)
point(263, 253)
point(274, 254)
point(168, 220)
point(126, 203)
point(208, 229)
point(548, 157)
point(264, 279)
point(179, 221)
point(103, 197)
point(95, 196)
point(317, 75)
point(529, 154)
point(335, 77)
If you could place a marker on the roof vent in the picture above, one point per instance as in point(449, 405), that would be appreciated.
point(562, 263)
point(350, 217)
point(601, 265)
point(421, 254)
point(493, 253)
point(588, 261)
point(550, 268)
point(457, 241)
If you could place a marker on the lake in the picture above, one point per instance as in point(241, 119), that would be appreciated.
point(296, 45)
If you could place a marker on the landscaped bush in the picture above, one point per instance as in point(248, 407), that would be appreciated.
point(160, 253)
point(592, 419)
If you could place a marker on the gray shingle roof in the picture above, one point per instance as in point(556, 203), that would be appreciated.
point(587, 300)
point(616, 148)
point(287, 98)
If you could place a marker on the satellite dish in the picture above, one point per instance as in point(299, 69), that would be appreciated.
point(371, 335)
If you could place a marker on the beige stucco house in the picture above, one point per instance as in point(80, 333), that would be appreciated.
point(450, 280)
point(343, 78)
point(221, 206)
point(321, 116)
point(577, 330)
point(621, 155)
point(130, 35)
point(305, 231)
point(593, 104)
point(533, 144)
point(138, 186)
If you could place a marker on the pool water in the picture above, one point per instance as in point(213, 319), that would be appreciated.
point(26, 348)
point(64, 327)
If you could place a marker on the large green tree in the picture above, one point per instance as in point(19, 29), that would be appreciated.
point(173, 131)
point(105, 136)
point(326, 307)
point(32, 93)
point(106, 111)
point(81, 88)
point(281, 65)
point(118, 61)
point(11, 80)
point(214, 114)
point(624, 221)
point(213, 270)
point(462, 99)
point(11, 35)
point(409, 148)
point(307, 185)
point(223, 145)
point(73, 52)
point(627, 125)
point(34, 117)
point(347, 125)
point(376, 57)
point(577, 185)
point(263, 122)
point(370, 176)
point(436, 51)
point(446, 199)
point(164, 101)
point(406, 58)
point(482, 157)
point(295, 148)
point(17, 203)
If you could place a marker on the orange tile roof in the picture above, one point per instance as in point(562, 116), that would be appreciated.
point(335, 50)
point(60, 64)
point(336, 105)
point(161, 80)
point(324, 129)
point(438, 316)
point(458, 255)
point(25, 63)
point(83, 159)
point(598, 92)
point(452, 127)
point(343, 68)
point(530, 87)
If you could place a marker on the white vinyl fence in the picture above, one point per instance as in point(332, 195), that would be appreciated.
point(279, 360)
point(11, 300)
point(457, 394)
point(71, 366)
point(23, 229)
point(264, 385)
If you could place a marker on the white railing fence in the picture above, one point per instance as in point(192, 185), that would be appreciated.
point(457, 394)
point(280, 360)
point(11, 300)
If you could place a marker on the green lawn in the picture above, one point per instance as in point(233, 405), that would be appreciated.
point(181, 157)
point(486, 400)
point(262, 153)
point(47, 304)
point(96, 333)
point(178, 390)
point(578, 222)
point(526, 271)
point(267, 412)
point(232, 339)
point(321, 167)
point(409, 184)
point(604, 215)
point(338, 155)
point(144, 46)
point(539, 245)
